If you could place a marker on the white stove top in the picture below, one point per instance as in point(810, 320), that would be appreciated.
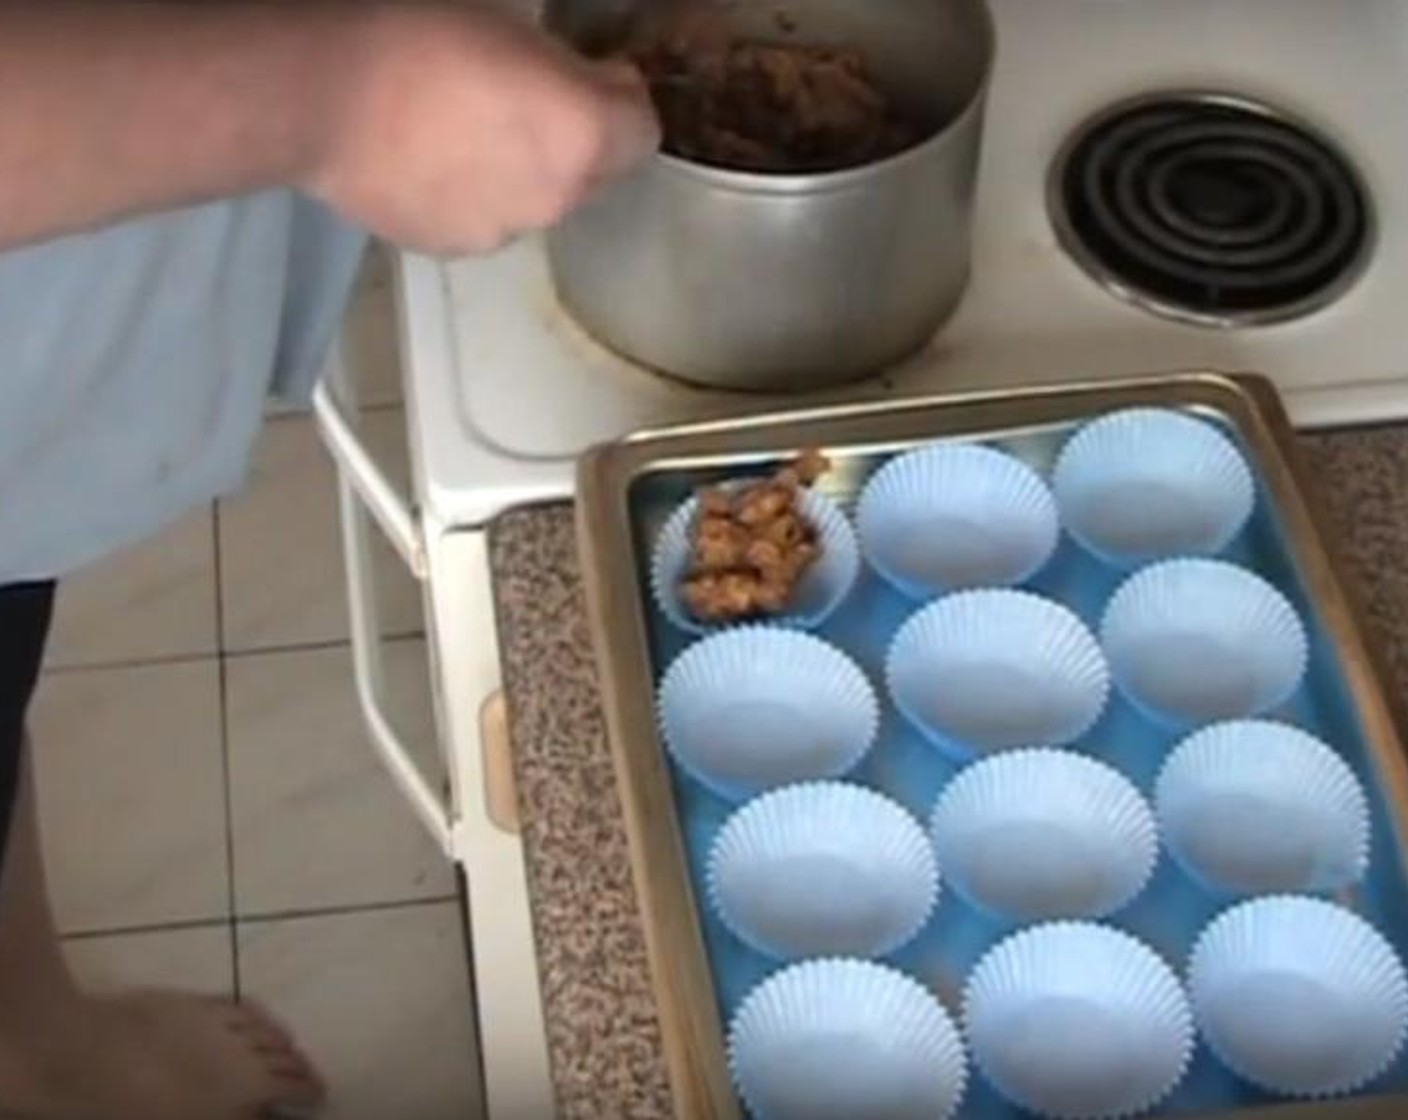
point(505, 390)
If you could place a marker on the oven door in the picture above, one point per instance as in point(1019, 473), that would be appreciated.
point(474, 818)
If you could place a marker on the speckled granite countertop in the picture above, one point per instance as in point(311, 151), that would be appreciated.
point(603, 1036)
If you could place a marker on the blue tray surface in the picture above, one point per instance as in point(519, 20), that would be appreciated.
point(1173, 908)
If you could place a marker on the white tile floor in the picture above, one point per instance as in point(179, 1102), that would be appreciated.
point(212, 812)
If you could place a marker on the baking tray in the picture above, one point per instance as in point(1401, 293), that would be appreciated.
point(700, 971)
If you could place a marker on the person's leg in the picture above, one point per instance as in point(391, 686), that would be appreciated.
point(68, 1056)
point(33, 980)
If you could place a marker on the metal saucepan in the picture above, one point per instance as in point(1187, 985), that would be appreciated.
point(790, 281)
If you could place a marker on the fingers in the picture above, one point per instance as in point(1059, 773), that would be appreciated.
point(632, 129)
point(620, 72)
point(615, 129)
point(464, 130)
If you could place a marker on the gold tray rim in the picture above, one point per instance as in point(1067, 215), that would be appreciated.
point(692, 1030)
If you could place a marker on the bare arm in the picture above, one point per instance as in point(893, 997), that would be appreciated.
point(446, 128)
point(109, 109)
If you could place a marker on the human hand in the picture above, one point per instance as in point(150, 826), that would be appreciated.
point(456, 128)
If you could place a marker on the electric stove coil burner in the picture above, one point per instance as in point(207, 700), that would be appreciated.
point(1210, 209)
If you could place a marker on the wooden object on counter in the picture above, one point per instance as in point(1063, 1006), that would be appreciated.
point(604, 1041)
point(500, 792)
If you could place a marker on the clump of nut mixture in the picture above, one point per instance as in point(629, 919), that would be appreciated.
point(752, 545)
point(752, 105)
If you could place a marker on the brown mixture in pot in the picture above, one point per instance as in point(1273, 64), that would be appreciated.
point(752, 545)
point(750, 105)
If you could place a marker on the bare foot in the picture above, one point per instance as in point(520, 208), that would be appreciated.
point(159, 1056)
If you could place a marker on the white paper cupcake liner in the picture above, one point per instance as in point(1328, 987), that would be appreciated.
point(953, 516)
point(1253, 807)
point(749, 709)
point(997, 670)
point(1193, 641)
point(1147, 483)
point(1040, 834)
point(845, 1040)
point(823, 869)
point(822, 588)
point(1299, 996)
point(1078, 1022)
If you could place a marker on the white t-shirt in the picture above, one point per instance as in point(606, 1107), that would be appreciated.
point(135, 363)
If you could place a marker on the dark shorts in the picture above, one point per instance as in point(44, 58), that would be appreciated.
point(25, 610)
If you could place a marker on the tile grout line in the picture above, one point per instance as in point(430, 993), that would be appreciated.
point(179, 925)
point(269, 917)
point(231, 925)
point(194, 657)
point(262, 918)
point(232, 654)
point(318, 644)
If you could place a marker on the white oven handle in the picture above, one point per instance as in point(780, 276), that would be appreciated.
point(392, 512)
point(362, 487)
